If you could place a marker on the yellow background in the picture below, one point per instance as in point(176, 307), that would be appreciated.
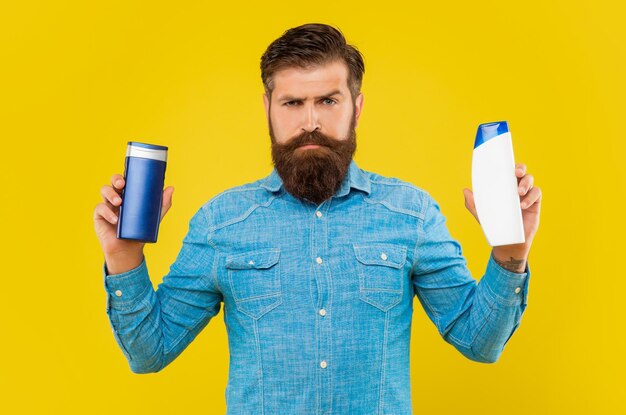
point(79, 79)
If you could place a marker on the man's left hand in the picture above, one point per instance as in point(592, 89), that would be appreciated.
point(513, 257)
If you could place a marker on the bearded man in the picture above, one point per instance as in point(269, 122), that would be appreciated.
point(316, 264)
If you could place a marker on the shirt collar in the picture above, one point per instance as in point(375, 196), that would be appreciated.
point(355, 178)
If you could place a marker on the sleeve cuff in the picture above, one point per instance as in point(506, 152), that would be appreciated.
point(508, 288)
point(126, 288)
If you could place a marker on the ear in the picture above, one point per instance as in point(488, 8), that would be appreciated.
point(266, 104)
point(358, 106)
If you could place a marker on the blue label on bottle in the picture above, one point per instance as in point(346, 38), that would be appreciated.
point(140, 212)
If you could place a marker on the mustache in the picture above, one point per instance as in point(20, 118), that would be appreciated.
point(309, 137)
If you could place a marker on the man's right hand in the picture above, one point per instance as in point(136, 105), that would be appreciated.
point(121, 255)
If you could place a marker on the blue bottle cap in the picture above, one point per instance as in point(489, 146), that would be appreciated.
point(490, 130)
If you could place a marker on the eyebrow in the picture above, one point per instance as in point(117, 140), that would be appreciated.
point(288, 98)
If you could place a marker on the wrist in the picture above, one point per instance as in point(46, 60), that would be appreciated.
point(122, 262)
point(511, 257)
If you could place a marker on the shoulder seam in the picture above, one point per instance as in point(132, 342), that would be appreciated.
point(235, 189)
point(393, 208)
point(248, 212)
point(399, 183)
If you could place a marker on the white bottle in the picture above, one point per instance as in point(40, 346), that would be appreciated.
point(495, 185)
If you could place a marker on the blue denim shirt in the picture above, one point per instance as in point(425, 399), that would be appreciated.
point(318, 300)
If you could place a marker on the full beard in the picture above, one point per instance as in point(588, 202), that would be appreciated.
point(313, 174)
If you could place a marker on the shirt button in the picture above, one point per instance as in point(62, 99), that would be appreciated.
point(318, 260)
point(250, 262)
point(517, 290)
point(383, 256)
point(318, 214)
point(322, 312)
point(118, 293)
point(323, 364)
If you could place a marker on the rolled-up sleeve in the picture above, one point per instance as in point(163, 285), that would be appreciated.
point(477, 318)
point(153, 327)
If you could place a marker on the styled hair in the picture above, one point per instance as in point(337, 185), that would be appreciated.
point(312, 45)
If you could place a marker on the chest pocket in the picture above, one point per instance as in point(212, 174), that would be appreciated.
point(254, 279)
point(381, 279)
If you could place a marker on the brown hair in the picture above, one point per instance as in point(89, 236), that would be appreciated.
point(311, 45)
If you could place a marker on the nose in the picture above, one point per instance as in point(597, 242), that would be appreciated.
point(311, 119)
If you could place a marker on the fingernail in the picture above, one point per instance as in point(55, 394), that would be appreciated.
point(117, 200)
point(523, 205)
point(118, 183)
point(114, 219)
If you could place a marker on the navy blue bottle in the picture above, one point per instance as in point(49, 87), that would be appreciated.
point(142, 196)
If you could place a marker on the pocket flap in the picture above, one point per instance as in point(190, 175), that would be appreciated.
point(262, 259)
point(381, 254)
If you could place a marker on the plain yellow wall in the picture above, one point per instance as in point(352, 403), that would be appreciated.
point(79, 79)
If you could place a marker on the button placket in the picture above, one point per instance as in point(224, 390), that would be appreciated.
point(320, 250)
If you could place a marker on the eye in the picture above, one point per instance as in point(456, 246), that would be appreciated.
point(328, 101)
point(291, 103)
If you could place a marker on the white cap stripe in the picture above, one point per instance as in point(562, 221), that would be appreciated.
point(146, 153)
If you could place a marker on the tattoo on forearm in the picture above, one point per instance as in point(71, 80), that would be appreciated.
point(513, 265)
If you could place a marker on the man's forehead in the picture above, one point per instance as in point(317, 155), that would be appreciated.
point(319, 79)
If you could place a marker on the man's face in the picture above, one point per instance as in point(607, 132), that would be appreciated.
point(312, 120)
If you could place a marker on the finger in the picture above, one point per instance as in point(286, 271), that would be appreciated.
point(118, 182)
point(533, 196)
point(110, 195)
point(167, 200)
point(103, 212)
point(525, 184)
point(520, 169)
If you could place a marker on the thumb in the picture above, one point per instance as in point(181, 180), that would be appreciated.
point(469, 202)
point(167, 200)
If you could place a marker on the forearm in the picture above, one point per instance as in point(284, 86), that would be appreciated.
point(154, 327)
point(134, 313)
point(488, 344)
point(512, 257)
point(495, 307)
